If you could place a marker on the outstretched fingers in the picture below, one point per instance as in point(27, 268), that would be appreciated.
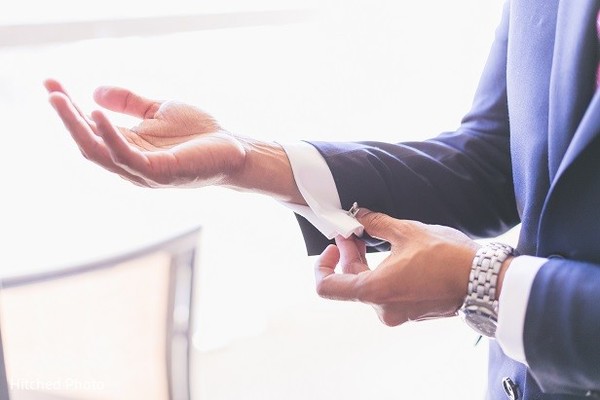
point(54, 86)
point(83, 134)
point(91, 146)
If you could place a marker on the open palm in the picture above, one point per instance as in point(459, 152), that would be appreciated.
point(175, 144)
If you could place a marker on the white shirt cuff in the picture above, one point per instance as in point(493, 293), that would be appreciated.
point(316, 184)
point(513, 305)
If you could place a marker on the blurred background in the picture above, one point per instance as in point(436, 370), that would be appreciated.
point(281, 70)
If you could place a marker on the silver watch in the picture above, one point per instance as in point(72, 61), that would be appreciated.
point(480, 309)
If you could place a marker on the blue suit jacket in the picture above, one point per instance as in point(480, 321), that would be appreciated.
point(529, 152)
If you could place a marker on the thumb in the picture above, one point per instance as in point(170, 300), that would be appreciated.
point(377, 225)
point(125, 101)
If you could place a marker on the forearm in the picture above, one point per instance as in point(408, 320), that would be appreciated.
point(266, 170)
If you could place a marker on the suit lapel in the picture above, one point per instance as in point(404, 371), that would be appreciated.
point(572, 83)
point(588, 129)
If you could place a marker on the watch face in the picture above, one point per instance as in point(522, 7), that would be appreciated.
point(482, 325)
point(481, 319)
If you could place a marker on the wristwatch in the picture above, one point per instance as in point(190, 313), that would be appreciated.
point(480, 308)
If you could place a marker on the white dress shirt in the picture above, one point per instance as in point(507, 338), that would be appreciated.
point(324, 211)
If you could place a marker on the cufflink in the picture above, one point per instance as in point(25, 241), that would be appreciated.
point(353, 210)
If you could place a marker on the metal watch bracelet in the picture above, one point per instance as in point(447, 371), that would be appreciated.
point(480, 309)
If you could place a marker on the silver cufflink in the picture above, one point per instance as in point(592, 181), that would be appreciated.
point(353, 210)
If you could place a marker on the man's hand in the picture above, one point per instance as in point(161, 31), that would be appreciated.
point(175, 144)
point(425, 276)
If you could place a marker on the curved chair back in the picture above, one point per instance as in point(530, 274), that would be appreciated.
point(118, 328)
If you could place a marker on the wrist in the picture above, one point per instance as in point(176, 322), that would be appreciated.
point(266, 170)
point(480, 308)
